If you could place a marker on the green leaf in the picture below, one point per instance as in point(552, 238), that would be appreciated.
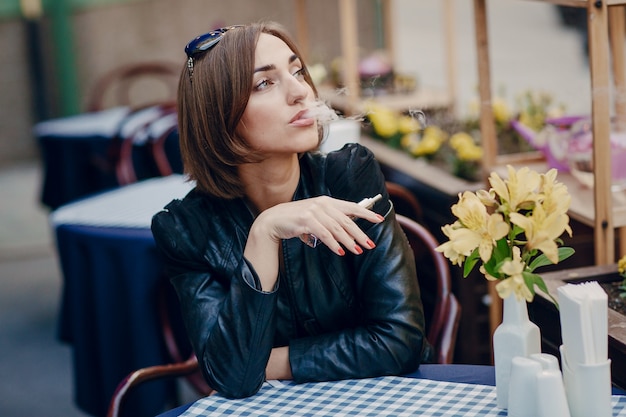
point(542, 260)
point(565, 252)
point(492, 267)
point(470, 262)
point(534, 279)
point(517, 230)
point(501, 251)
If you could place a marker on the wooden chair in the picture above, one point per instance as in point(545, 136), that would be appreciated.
point(165, 146)
point(133, 146)
point(183, 361)
point(405, 202)
point(441, 307)
point(135, 85)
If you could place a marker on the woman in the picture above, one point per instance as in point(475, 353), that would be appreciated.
point(280, 273)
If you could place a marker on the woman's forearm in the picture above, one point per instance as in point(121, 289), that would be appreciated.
point(278, 366)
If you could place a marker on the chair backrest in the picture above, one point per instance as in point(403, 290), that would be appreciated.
point(441, 307)
point(184, 362)
point(132, 148)
point(135, 85)
point(405, 202)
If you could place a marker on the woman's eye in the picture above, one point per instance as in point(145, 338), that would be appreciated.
point(299, 73)
point(263, 84)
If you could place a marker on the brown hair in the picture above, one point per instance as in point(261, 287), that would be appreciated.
point(211, 103)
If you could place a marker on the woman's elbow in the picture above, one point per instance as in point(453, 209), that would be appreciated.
point(232, 386)
point(409, 352)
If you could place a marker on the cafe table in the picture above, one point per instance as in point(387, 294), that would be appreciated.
point(78, 152)
point(432, 390)
point(111, 273)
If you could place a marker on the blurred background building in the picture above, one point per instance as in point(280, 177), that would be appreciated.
point(53, 52)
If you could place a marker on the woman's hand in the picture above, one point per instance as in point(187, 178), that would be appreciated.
point(329, 219)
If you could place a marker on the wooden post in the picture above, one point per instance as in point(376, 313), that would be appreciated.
point(302, 30)
point(389, 29)
point(487, 123)
point(604, 233)
point(350, 47)
point(487, 129)
point(616, 38)
point(450, 62)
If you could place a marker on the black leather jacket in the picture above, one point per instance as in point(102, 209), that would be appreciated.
point(342, 317)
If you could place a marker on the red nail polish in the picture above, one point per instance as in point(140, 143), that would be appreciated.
point(371, 244)
point(341, 252)
point(358, 249)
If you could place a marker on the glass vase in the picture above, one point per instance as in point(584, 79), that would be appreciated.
point(515, 336)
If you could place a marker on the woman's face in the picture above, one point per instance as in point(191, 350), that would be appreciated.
point(275, 120)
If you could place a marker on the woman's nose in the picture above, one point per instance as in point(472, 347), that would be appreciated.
point(297, 90)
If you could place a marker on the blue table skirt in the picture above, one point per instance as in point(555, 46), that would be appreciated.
point(109, 315)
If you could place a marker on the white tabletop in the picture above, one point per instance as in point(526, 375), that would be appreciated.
point(103, 123)
point(131, 206)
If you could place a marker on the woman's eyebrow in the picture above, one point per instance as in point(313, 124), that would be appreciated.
point(270, 67)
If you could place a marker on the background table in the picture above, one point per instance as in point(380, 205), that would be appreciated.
point(111, 273)
point(79, 159)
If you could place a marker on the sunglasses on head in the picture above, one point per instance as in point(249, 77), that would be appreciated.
point(204, 43)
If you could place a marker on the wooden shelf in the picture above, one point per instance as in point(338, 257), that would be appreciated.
point(419, 169)
point(599, 207)
point(417, 100)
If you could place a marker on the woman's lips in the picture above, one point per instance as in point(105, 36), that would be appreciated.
point(302, 118)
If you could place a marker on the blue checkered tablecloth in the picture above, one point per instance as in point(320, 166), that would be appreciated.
point(385, 396)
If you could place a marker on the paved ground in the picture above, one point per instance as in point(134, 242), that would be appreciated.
point(35, 369)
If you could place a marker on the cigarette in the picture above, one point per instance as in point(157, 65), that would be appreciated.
point(368, 203)
point(312, 240)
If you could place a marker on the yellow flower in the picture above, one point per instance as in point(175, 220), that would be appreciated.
point(436, 134)
point(519, 191)
point(488, 198)
point(408, 124)
point(465, 147)
point(470, 153)
point(556, 198)
point(514, 283)
point(451, 249)
point(420, 146)
point(461, 139)
point(501, 112)
point(541, 229)
point(384, 121)
point(482, 229)
point(428, 144)
point(621, 266)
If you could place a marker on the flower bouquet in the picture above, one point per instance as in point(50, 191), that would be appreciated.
point(511, 230)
